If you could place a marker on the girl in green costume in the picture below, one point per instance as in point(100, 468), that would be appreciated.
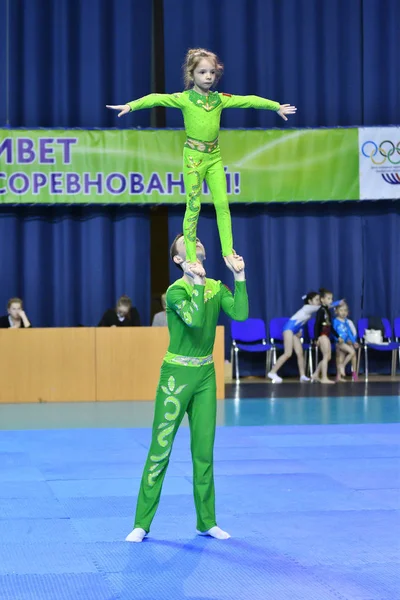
point(201, 110)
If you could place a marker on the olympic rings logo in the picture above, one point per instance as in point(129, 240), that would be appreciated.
point(387, 149)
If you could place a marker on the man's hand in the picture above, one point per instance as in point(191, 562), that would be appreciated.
point(195, 271)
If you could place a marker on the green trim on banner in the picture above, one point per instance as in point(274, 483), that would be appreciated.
point(144, 167)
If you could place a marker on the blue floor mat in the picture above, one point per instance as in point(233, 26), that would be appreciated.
point(313, 512)
point(85, 586)
point(45, 557)
point(25, 489)
point(31, 508)
point(36, 531)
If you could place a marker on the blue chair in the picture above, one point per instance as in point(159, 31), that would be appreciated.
point(249, 336)
point(397, 333)
point(388, 346)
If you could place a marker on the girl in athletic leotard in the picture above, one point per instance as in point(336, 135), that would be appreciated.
point(292, 333)
point(322, 334)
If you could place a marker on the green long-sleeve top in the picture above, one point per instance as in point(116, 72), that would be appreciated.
point(202, 114)
point(193, 311)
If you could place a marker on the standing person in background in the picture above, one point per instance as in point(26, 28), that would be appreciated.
point(160, 318)
point(123, 315)
point(292, 333)
point(16, 317)
point(322, 334)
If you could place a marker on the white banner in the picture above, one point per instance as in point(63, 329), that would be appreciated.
point(379, 151)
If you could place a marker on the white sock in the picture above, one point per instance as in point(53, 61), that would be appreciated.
point(275, 378)
point(216, 533)
point(303, 378)
point(136, 535)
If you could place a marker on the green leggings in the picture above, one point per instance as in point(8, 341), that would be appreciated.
point(182, 389)
point(198, 166)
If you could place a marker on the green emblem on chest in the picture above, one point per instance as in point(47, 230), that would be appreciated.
point(212, 289)
point(207, 103)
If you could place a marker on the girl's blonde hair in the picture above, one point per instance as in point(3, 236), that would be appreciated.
point(192, 59)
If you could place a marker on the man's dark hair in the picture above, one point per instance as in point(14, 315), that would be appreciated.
point(173, 250)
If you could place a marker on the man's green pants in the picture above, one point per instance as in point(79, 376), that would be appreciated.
point(181, 389)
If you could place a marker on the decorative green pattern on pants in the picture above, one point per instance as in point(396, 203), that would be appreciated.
point(198, 166)
point(182, 389)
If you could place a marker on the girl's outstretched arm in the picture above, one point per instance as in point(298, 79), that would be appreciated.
point(150, 101)
point(230, 101)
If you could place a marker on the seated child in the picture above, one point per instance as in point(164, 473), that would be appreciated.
point(345, 349)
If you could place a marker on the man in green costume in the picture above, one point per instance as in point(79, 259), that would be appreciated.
point(187, 384)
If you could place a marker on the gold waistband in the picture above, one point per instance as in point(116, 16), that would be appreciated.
point(201, 146)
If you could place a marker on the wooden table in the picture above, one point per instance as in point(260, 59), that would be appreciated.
point(87, 364)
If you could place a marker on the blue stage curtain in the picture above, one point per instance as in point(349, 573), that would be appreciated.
point(381, 242)
point(303, 52)
point(336, 60)
point(69, 264)
point(349, 248)
point(3, 62)
point(381, 62)
point(69, 58)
